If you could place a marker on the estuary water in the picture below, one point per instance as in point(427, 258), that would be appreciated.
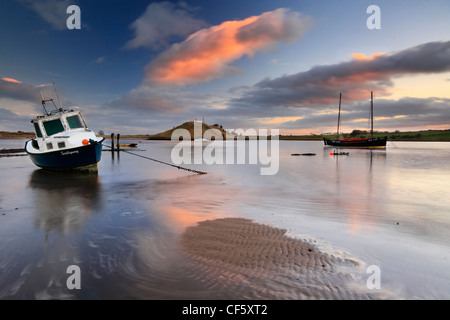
point(387, 209)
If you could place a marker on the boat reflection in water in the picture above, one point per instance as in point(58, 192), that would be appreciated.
point(64, 201)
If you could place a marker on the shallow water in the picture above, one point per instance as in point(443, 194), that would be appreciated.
point(122, 227)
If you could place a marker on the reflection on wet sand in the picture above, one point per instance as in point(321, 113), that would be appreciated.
point(185, 201)
point(64, 200)
point(355, 194)
point(58, 208)
point(137, 230)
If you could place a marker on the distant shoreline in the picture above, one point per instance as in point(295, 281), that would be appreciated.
point(16, 135)
point(417, 136)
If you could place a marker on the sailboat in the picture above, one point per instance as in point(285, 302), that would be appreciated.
point(63, 141)
point(369, 142)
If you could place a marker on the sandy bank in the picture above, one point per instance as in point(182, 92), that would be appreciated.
point(242, 243)
point(16, 135)
point(257, 261)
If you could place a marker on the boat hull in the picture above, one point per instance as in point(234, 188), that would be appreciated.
point(357, 143)
point(83, 157)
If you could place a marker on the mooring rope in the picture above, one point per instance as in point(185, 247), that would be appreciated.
point(159, 161)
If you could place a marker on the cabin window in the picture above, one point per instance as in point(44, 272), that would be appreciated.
point(49, 146)
point(61, 144)
point(53, 127)
point(38, 130)
point(74, 122)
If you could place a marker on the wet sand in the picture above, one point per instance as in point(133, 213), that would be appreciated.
point(139, 230)
point(257, 261)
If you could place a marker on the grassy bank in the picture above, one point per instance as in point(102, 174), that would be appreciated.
point(428, 135)
point(425, 135)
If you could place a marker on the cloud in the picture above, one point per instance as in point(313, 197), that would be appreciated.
point(208, 53)
point(321, 85)
point(162, 22)
point(9, 121)
point(400, 114)
point(15, 89)
point(204, 55)
point(404, 114)
point(151, 99)
point(52, 11)
point(361, 56)
point(99, 60)
point(11, 80)
point(24, 98)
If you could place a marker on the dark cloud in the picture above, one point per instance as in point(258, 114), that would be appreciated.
point(16, 90)
point(389, 115)
point(10, 121)
point(356, 78)
point(160, 23)
point(52, 11)
point(279, 25)
point(154, 99)
point(19, 91)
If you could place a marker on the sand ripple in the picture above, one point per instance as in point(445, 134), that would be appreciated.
point(256, 261)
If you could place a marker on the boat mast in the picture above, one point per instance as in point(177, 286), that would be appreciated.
point(339, 116)
point(371, 113)
point(57, 95)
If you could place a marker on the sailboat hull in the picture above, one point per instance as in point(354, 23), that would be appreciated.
point(357, 143)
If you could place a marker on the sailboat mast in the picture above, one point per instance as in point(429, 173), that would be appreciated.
point(339, 116)
point(371, 113)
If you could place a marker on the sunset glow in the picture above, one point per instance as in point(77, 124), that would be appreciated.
point(278, 120)
point(275, 64)
point(207, 53)
point(11, 80)
point(361, 56)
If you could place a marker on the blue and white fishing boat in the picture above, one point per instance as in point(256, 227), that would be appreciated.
point(63, 141)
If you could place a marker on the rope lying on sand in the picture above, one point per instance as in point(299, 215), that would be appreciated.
point(162, 162)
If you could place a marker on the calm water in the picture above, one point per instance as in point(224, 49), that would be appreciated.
point(388, 208)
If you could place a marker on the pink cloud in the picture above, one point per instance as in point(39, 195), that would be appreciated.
point(361, 56)
point(11, 80)
point(208, 53)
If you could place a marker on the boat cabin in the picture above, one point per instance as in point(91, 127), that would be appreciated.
point(66, 120)
point(60, 129)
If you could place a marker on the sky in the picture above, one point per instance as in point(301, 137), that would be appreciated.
point(142, 67)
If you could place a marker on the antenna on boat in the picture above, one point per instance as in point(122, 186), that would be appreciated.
point(44, 101)
point(57, 95)
point(339, 116)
